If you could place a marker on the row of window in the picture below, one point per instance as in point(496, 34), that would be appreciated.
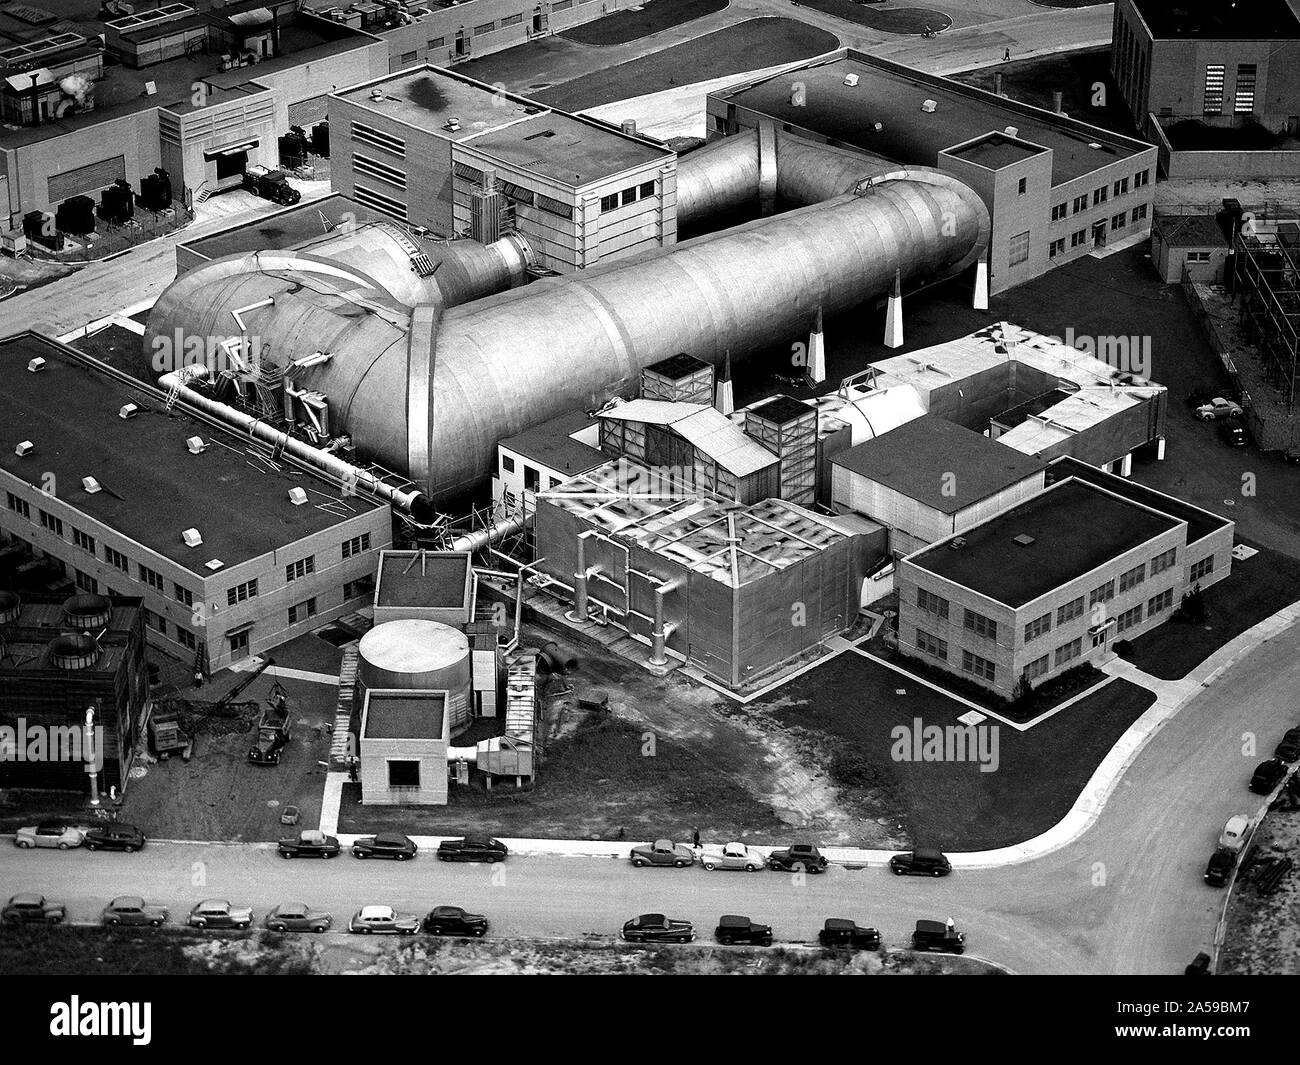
point(615, 200)
point(1119, 187)
point(1243, 99)
point(1080, 237)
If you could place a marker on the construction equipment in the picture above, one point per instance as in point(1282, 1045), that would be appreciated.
point(270, 185)
point(273, 730)
point(166, 736)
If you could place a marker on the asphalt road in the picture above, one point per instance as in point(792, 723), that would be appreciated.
point(1125, 897)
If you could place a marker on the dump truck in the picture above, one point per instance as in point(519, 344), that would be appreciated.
point(272, 730)
point(270, 185)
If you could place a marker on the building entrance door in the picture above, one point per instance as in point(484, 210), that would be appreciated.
point(1099, 234)
point(238, 645)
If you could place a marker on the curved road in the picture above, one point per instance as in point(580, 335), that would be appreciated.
point(1125, 897)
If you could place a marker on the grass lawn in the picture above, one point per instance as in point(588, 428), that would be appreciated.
point(854, 703)
point(1258, 587)
point(894, 20)
point(630, 25)
point(751, 45)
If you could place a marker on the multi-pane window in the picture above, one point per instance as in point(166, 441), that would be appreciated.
point(186, 638)
point(980, 625)
point(1157, 604)
point(1070, 611)
point(1080, 204)
point(931, 645)
point(1121, 187)
point(1059, 211)
point(1141, 178)
point(1104, 594)
point(1023, 186)
point(182, 594)
point(116, 559)
point(49, 521)
point(1119, 220)
point(1018, 248)
point(1243, 99)
point(302, 611)
point(629, 196)
point(1164, 561)
point(296, 571)
point(1068, 652)
point(86, 543)
point(977, 666)
point(647, 189)
point(1129, 618)
point(1200, 569)
point(150, 577)
point(1036, 668)
point(1100, 196)
point(86, 582)
point(356, 589)
point(1212, 103)
point(507, 464)
point(18, 506)
point(1057, 247)
point(241, 592)
point(1133, 577)
point(609, 203)
point(155, 621)
point(1077, 238)
point(1038, 627)
point(932, 604)
point(357, 545)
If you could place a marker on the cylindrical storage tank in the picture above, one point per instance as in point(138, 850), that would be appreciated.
point(73, 651)
point(87, 611)
point(419, 655)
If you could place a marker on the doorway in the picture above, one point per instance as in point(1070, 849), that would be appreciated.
point(1099, 234)
point(238, 645)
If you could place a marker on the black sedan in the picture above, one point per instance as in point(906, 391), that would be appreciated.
point(453, 921)
point(1289, 749)
point(656, 928)
point(29, 908)
point(309, 844)
point(1233, 433)
point(116, 836)
point(839, 932)
point(1266, 776)
point(472, 849)
point(385, 845)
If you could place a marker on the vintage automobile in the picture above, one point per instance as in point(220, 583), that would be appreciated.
point(938, 937)
point(656, 928)
point(117, 836)
point(1288, 749)
point(30, 908)
point(735, 856)
point(800, 857)
point(472, 849)
point(385, 845)
point(1220, 866)
point(133, 910)
point(662, 852)
point(297, 917)
point(309, 844)
point(1217, 408)
point(1198, 966)
point(49, 834)
point(1234, 833)
point(453, 921)
point(840, 932)
point(219, 913)
point(1233, 433)
point(734, 928)
point(924, 861)
point(1266, 776)
point(383, 920)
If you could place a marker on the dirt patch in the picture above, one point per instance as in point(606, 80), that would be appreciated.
point(1263, 932)
point(90, 951)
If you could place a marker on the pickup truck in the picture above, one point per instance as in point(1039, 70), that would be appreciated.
point(800, 856)
point(273, 730)
point(735, 856)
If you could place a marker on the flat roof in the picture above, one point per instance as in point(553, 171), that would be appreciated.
point(427, 97)
point(1191, 231)
point(152, 488)
point(939, 463)
point(551, 444)
point(1225, 20)
point(1013, 416)
point(27, 639)
point(781, 410)
point(892, 95)
point(996, 150)
point(678, 367)
point(1075, 527)
point(706, 429)
point(572, 151)
point(412, 715)
point(423, 579)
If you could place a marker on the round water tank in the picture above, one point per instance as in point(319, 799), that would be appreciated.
point(414, 654)
point(87, 611)
point(10, 607)
point(73, 651)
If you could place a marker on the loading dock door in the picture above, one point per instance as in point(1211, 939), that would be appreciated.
point(88, 178)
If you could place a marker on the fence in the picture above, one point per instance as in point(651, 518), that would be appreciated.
point(115, 239)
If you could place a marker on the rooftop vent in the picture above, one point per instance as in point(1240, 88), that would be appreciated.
point(1012, 131)
point(213, 564)
point(87, 611)
point(36, 365)
point(196, 445)
point(1024, 540)
point(91, 485)
point(10, 607)
point(25, 447)
point(850, 80)
point(128, 410)
point(957, 543)
point(191, 537)
point(452, 125)
point(297, 496)
point(1094, 145)
point(376, 94)
point(73, 651)
point(929, 106)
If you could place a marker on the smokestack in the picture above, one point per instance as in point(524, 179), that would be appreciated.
point(817, 352)
point(629, 126)
point(36, 100)
point(724, 398)
point(1057, 97)
point(894, 314)
point(997, 83)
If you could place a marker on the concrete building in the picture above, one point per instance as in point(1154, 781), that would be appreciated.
point(541, 457)
point(1190, 247)
point(231, 549)
point(425, 585)
point(439, 150)
point(403, 748)
point(1216, 84)
point(1056, 188)
point(1051, 583)
point(200, 93)
point(930, 478)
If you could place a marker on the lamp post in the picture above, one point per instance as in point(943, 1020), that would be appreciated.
point(89, 748)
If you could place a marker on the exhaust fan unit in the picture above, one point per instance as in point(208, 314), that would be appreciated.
point(929, 106)
point(196, 445)
point(297, 496)
point(26, 447)
point(128, 410)
point(90, 485)
point(36, 365)
point(191, 537)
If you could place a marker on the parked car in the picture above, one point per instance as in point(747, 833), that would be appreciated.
point(309, 844)
point(799, 857)
point(1220, 866)
point(924, 861)
point(662, 852)
point(839, 932)
point(472, 849)
point(49, 834)
point(1233, 433)
point(1291, 456)
point(1217, 408)
point(385, 845)
point(735, 856)
point(1266, 776)
point(1289, 748)
point(938, 937)
point(383, 920)
point(29, 908)
point(116, 836)
point(133, 910)
point(656, 928)
point(298, 917)
point(733, 928)
point(453, 921)
point(1233, 836)
point(219, 913)
point(1198, 966)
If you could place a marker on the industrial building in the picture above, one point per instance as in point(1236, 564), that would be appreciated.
point(1055, 187)
point(201, 94)
point(1052, 582)
point(61, 657)
point(543, 456)
point(1214, 84)
point(231, 547)
point(1190, 247)
point(440, 150)
point(425, 586)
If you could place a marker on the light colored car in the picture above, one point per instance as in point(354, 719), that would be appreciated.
point(1234, 833)
point(1218, 408)
point(49, 834)
point(735, 856)
point(219, 913)
point(133, 910)
point(662, 852)
point(383, 919)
